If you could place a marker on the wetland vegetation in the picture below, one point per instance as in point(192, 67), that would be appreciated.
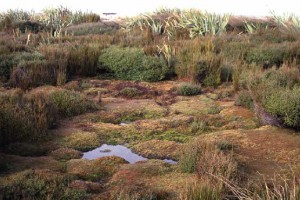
point(209, 103)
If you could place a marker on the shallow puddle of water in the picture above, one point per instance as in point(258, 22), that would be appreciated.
point(117, 150)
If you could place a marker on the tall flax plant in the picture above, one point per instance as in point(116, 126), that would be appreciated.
point(202, 24)
point(17, 15)
point(57, 18)
point(287, 22)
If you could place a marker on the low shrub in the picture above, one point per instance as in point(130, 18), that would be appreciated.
point(132, 64)
point(273, 54)
point(70, 103)
point(277, 91)
point(266, 57)
point(285, 105)
point(187, 89)
point(199, 126)
point(130, 92)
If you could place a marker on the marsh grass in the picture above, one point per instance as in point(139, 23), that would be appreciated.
point(40, 184)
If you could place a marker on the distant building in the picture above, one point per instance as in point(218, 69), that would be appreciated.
point(109, 15)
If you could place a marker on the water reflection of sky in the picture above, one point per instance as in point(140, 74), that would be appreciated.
point(117, 150)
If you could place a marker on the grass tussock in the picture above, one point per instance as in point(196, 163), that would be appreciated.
point(187, 89)
point(40, 184)
point(28, 116)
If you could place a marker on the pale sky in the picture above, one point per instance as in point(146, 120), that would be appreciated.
point(133, 7)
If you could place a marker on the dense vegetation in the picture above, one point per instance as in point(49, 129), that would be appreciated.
point(41, 54)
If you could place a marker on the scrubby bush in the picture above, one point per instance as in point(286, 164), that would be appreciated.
point(266, 57)
point(29, 116)
point(9, 61)
point(32, 73)
point(285, 105)
point(25, 117)
point(130, 92)
point(57, 57)
point(6, 64)
point(244, 99)
point(69, 103)
point(277, 91)
point(83, 60)
point(132, 64)
point(187, 89)
point(80, 17)
point(273, 54)
point(226, 74)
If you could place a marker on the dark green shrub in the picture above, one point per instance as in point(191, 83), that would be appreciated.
point(6, 64)
point(69, 103)
point(28, 26)
point(132, 64)
point(226, 73)
point(244, 99)
point(187, 89)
